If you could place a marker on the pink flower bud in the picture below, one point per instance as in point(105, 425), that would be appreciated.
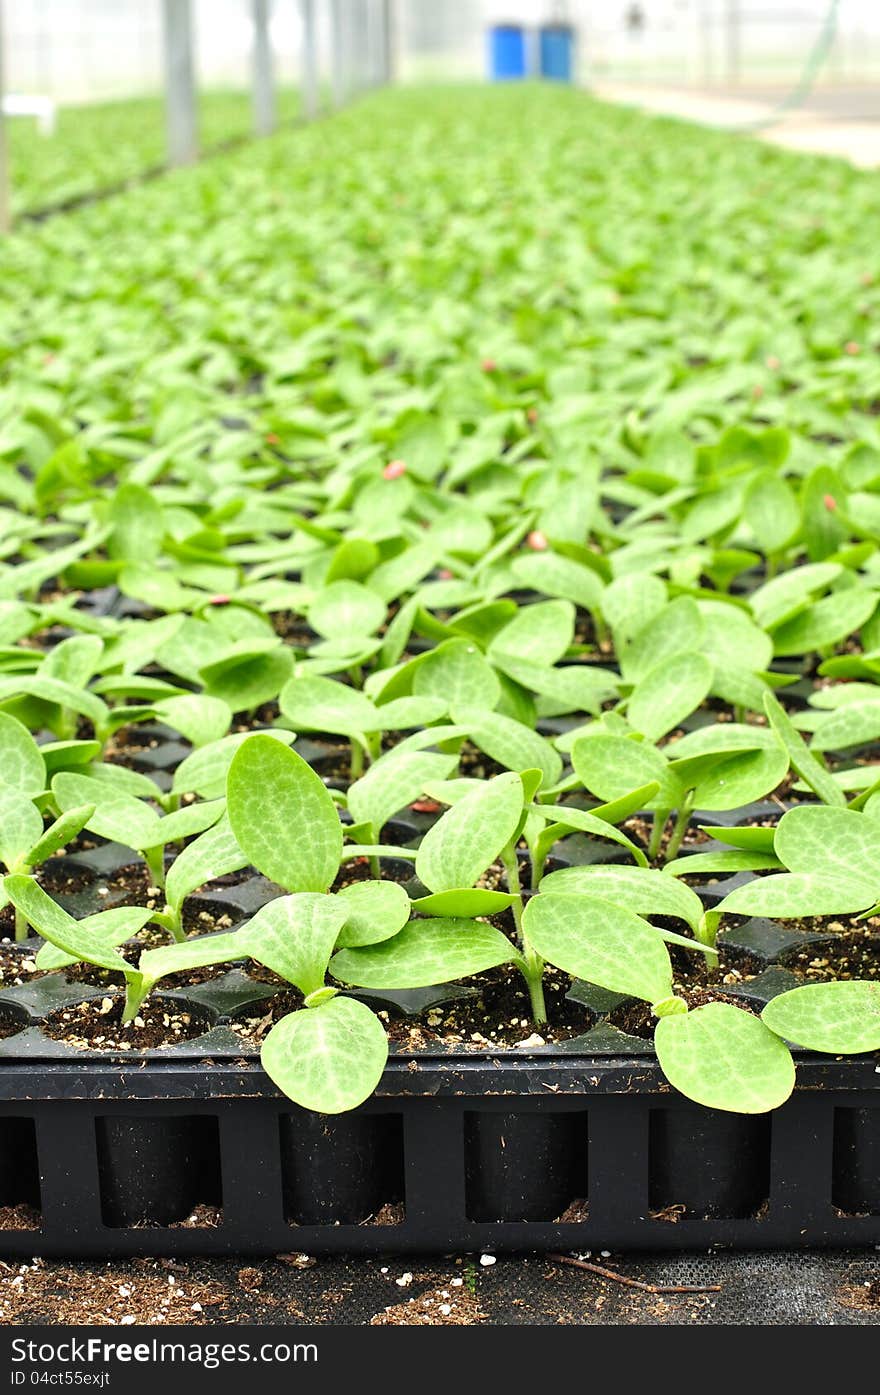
point(830, 502)
point(851, 347)
point(488, 365)
point(537, 541)
point(220, 600)
point(394, 469)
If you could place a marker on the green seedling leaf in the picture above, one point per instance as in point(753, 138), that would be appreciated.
point(215, 854)
point(669, 693)
point(827, 622)
point(248, 677)
point(425, 953)
point(328, 1058)
point(206, 770)
point(201, 719)
point(458, 670)
point(724, 1058)
point(841, 1018)
point(374, 912)
point(647, 892)
point(810, 838)
point(854, 725)
point(283, 816)
point(58, 834)
point(21, 827)
point(750, 839)
point(294, 936)
point(465, 903)
point(314, 703)
point(788, 594)
point(806, 765)
point(552, 575)
point(346, 610)
point(771, 511)
point(596, 940)
point(470, 835)
point(540, 633)
point(677, 630)
point(119, 817)
point(610, 766)
point(54, 924)
point(110, 929)
point(393, 783)
point(511, 744)
point(188, 821)
point(793, 895)
point(733, 781)
point(725, 862)
point(137, 525)
point(22, 766)
point(570, 820)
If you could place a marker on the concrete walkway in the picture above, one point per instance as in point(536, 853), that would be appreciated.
point(834, 121)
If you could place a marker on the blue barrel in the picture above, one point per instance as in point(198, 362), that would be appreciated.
point(507, 52)
point(556, 45)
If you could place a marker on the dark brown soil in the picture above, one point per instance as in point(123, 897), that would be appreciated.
point(17, 966)
point(498, 1016)
point(9, 1025)
point(96, 1025)
point(637, 1019)
point(21, 1217)
point(853, 953)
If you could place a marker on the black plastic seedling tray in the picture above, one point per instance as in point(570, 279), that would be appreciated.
point(453, 1153)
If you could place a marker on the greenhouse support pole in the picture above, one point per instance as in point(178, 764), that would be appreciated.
point(732, 17)
point(387, 40)
point(339, 57)
point(310, 94)
point(5, 213)
point(180, 87)
point(263, 74)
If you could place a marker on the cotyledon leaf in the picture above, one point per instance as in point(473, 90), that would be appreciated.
point(802, 759)
point(811, 838)
point(215, 853)
point(724, 1058)
point(595, 939)
point(283, 817)
point(21, 765)
point(645, 891)
point(792, 895)
point(470, 835)
point(55, 925)
point(374, 911)
point(328, 1058)
point(669, 693)
point(425, 953)
point(842, 1018)
point(393, 783)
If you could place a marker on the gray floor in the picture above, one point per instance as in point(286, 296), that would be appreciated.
point(831, 1289)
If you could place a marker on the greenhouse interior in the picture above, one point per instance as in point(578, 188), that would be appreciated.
point(439, 669)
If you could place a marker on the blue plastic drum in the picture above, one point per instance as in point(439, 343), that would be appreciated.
point(556, 45)
point(507, 52)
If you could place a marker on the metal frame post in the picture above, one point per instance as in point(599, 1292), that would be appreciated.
point(310, 85)
point(180, 87)
point(5, 208)
point(732, 18)
point(265, 113)
point(339, 46)
point(388, 40)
